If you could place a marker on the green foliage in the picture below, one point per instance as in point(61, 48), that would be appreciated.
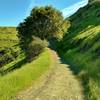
point(8, 45)
point(87, 68)
point(81, 46)
point(14, 82)
point(7, 55)
point(36, 47)
point(13, 64)
point(44, 22)
point(8, 37)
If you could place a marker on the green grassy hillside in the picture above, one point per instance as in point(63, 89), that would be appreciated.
point(81, 46)
point(8, 36)
point(17, 72)
point(9, 48)
point(19, 79)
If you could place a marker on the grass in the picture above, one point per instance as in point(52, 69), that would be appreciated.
point(9, 48)
point(81, 47)
point(13, 82)
point(16, 73)
point(8, 36)
point(88, 72)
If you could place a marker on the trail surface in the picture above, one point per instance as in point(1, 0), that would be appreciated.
point(59, 84)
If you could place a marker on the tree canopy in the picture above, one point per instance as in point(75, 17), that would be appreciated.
point(43, 22)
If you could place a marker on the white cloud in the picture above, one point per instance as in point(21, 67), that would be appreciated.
point(73, 8)
point(32, 4)
point(68, 11)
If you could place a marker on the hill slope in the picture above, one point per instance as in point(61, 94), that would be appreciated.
point(16, 73)
point(81, 46)
point(9, 48)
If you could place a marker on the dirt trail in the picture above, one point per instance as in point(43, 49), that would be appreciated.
point(59, 84)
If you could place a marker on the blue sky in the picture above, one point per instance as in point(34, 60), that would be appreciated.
point(12, 12)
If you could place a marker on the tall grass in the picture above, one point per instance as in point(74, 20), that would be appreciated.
point(88, 71)
point(81, 47)
point(9, 48)
point(13, 82)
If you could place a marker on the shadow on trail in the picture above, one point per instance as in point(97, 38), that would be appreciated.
point(71, 66)
point(53, 46)
point(75, 72)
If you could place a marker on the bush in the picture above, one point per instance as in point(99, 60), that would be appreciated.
point(8, 54)
point(6, 58)
point(36, 47)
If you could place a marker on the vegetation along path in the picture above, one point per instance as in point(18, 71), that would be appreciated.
point(59, 84)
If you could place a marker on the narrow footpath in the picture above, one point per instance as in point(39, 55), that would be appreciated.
point(59, 84)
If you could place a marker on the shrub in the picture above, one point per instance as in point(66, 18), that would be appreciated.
point(6, 58)
point(8, 54)
point(36, 47)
